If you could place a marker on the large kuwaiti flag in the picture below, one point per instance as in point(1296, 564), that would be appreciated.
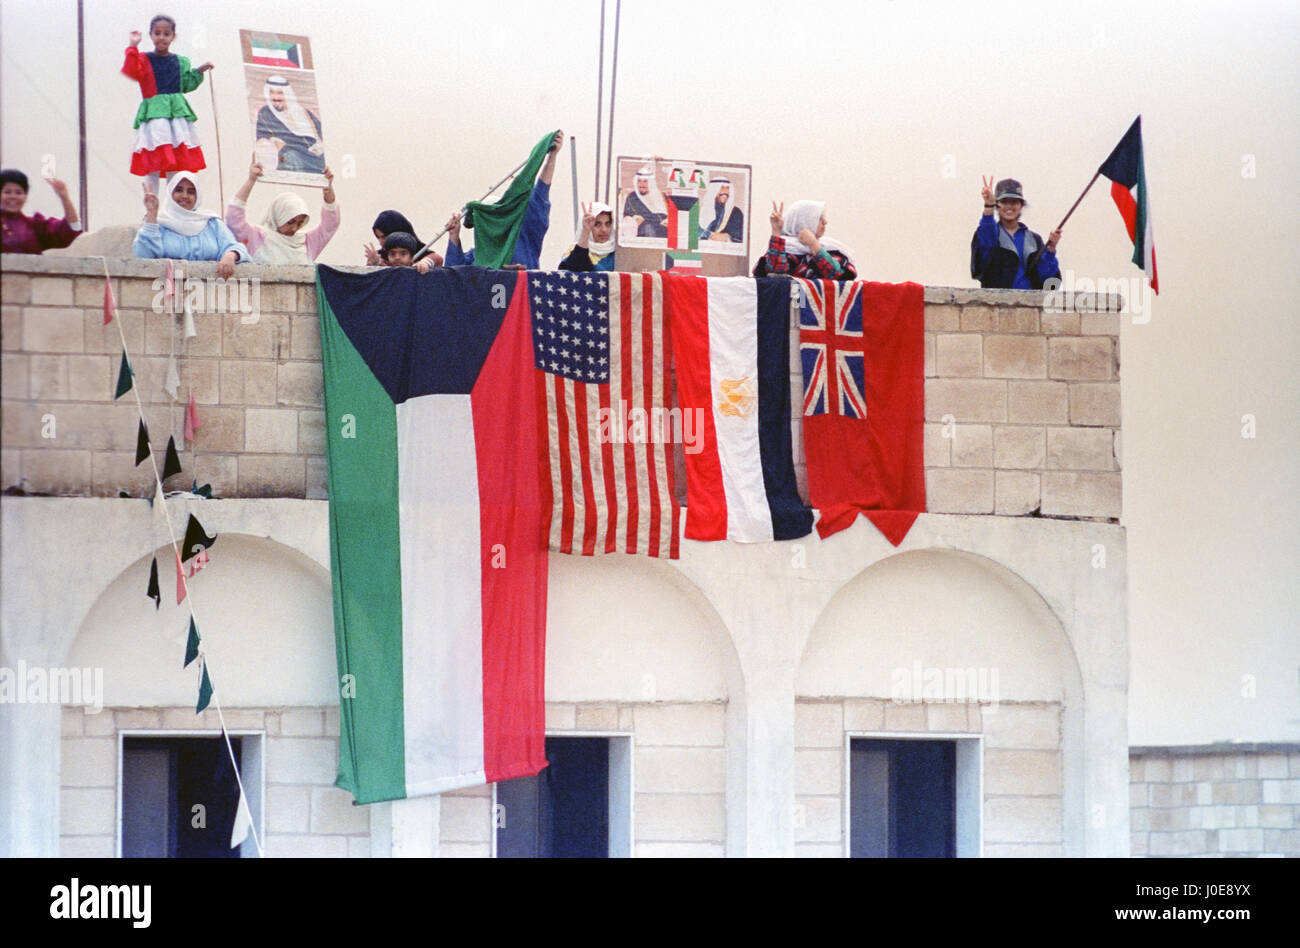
point(862, 350)
point(731, 336)
point(437, 554)
point(607, 429)
point(1126, 170)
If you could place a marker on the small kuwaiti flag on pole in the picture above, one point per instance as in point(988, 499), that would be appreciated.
point(1128, 186)
point(437, 551)
point(266, 51)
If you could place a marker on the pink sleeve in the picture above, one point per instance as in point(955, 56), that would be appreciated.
point(320, 235)
point(249, 234)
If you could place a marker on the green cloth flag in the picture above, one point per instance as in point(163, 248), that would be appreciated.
point(124, 375)
point(496, 226)
point(191, 643)
point(205, 690)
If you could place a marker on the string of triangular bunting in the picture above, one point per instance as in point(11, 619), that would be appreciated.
point(196, 542)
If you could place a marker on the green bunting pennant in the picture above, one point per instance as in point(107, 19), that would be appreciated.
point(205, 691)
point(141, 444)
point(192, 645)
point(154, 592)
point(171, 460)
point(124, 376)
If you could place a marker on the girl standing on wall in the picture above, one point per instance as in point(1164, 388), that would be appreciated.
point(165, 138)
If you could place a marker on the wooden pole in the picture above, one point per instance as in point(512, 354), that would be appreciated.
point(429, 246)
point(221, 184)
point(613, 85)
point(1076, 203)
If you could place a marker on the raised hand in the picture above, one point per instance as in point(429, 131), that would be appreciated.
point(777, 217)
point(150, 204)
point(1052, 239)
point(986, 192)
point(372, 255)
point(453, 229)
point(136, 36)
point(255, 169)
point(59, 187)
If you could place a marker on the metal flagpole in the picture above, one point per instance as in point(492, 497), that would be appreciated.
point(573, 160)
point(613, 85)
point(429, 246)
point(600, 92)
point(81, 111)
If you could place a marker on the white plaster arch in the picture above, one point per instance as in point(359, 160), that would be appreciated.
point(265, 615)
point(634, 629)
point(946, 609)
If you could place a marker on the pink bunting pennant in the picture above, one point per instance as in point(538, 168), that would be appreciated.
point(110, 308)
point(180, 581)
point(191, 419)
point(200, 560)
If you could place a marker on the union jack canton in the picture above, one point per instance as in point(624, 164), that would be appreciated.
point(831, 348)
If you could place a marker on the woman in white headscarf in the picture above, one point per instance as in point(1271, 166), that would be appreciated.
point(174, 230)
point(593, 249)
point(283, 237)
point(800, 248)
point(291, 129)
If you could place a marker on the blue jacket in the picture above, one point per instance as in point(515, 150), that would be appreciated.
point(1000, 261)
point(211, 243)
point(528, 248)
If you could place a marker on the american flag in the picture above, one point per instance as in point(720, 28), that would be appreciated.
point(601, 346)
point(831, 348)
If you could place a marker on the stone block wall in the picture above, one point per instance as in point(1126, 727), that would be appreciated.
point(678, 779)
point(1022, 406)
point(1022, 809)
point(1215, 800)
point(305, 814)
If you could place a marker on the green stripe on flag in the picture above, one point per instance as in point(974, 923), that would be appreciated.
point(365, 560)
point(1140, 222)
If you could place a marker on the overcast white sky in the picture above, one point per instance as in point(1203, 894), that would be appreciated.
point(890, 111)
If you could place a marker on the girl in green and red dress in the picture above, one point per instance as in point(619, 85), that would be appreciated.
point(165, 138)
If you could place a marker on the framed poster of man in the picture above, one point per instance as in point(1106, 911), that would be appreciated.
point(283, 107)
point(683, 213)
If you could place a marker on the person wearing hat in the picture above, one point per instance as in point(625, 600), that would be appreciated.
point(1004, 253)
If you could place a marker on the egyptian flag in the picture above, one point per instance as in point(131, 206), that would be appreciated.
point(1128, 186)
point(437, 554)
point(861, 347)
point(731, 339)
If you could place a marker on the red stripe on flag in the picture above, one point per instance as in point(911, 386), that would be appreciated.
point(666, 448)
point(566, 465)
point(544, 462)
point(583, 480)
point(628, 394)
point(648, 336)
point(285, 63)
point(607, 466)
point(687, 297)
point(1127, 207)
point(513, 588)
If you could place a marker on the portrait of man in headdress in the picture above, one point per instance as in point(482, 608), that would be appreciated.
point(646, 206)
point(288, 127)
point(728, 220)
